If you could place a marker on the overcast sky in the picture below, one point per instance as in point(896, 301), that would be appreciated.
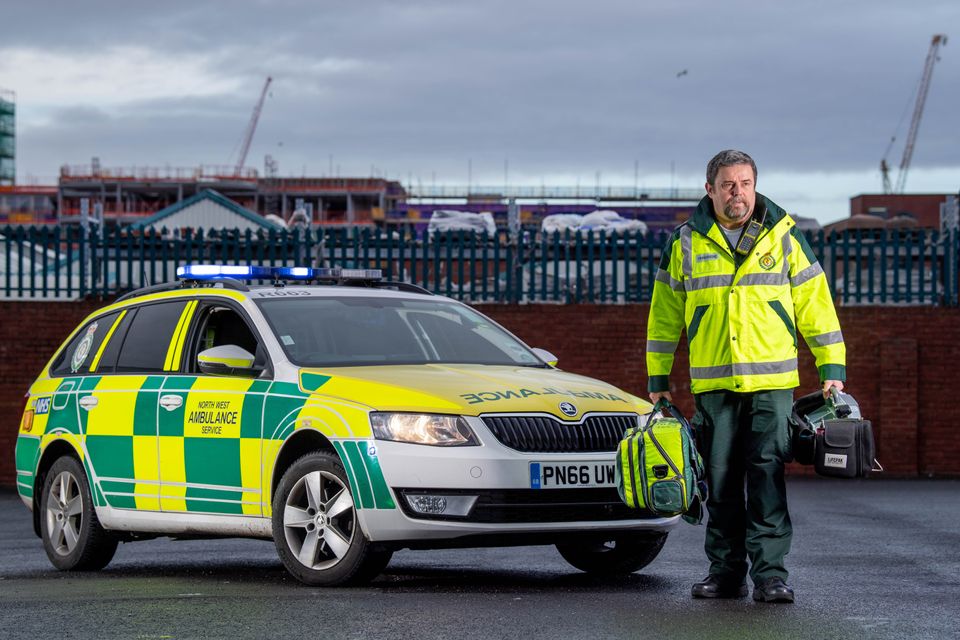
point(521, 92)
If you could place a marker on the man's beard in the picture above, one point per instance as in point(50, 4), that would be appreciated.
point(730, 212)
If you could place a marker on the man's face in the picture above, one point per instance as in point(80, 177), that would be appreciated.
point(733, 194)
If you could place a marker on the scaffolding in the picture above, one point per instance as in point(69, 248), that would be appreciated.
point(128, 194)
point(8, 146)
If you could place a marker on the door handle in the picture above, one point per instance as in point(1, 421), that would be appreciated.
point(88, 402)
point(171, 402)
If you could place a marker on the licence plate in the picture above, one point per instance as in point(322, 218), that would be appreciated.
point(566, 475)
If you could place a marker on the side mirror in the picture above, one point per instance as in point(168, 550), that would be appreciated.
point(546, 356)
point(228, 360)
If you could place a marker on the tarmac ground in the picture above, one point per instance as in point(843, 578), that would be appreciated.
point(871, 559)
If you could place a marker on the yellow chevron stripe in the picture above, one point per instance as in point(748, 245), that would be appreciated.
point(191, 307)
point(106, 339)
point(175, 340)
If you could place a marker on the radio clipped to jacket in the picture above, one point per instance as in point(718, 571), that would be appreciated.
point(831, 435)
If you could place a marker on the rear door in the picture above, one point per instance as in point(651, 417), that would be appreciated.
point(125, 432)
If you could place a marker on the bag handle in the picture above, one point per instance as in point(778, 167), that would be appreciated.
point(833, 399)
point(665, 405)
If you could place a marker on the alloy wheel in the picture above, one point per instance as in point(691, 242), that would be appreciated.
point(319, 520)
point(64, 513)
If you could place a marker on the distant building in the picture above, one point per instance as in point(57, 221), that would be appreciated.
point(129, 195)
point(922, 207)
point(28, 205)
point(806, 224)
point(8, 132)
point(206, 210)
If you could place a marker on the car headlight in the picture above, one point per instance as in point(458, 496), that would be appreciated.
point(416, 428)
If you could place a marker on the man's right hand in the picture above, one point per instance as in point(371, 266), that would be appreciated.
point(656, 396)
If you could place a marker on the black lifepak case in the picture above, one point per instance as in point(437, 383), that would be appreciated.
point(837, 446)
point(844, 449)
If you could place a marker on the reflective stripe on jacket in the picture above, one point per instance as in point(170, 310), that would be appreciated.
point(741, 319)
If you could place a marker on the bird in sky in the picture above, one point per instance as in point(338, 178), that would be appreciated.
point(681, 73)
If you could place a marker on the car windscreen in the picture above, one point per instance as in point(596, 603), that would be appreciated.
point(351, 331)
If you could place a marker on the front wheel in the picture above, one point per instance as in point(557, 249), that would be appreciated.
point(315, 525)
point(619, 556)
point(72, 535)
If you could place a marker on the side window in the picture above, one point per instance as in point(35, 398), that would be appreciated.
point(76, 357)
point(110, 351)
point(145, 346)
point(220, 325)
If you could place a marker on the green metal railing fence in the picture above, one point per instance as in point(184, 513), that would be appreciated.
point(917, 267)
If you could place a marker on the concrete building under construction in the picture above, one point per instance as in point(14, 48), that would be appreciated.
point(128, 195)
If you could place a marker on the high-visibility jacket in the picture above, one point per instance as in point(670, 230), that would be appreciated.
point(741, 313)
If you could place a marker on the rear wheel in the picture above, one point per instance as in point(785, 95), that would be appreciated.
point(315, 525)
point(619, 556)
point(71, 533)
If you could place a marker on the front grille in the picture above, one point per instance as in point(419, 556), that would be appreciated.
point(546, 434)
point(534, 505)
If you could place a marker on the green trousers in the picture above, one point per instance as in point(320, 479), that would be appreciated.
point(743, 438)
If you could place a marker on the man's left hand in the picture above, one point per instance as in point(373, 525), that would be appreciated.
point(830, 384)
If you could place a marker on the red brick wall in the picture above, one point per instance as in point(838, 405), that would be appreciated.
point(900, 361)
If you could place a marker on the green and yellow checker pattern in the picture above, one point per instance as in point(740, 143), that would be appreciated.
point(193, 444)
point(657, 467)
point(186, 443)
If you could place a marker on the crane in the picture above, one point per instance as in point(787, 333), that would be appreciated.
point(252, 126)
point(938, 40)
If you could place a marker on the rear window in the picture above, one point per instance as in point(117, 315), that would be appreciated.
point(76, 357)
point(145, 347)
point(353, 331)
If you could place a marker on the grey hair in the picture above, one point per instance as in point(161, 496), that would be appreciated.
point(728, 158)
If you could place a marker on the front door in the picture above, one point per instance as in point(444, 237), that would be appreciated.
point(210, 428)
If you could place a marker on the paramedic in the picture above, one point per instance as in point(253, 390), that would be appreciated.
point(743, 281)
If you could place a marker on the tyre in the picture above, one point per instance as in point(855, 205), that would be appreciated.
point(620, 556)
point(71, 533)
point(315, 525)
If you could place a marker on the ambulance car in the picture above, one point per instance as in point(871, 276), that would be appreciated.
point(339, 415)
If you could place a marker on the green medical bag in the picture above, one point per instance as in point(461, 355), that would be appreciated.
point(658, 467)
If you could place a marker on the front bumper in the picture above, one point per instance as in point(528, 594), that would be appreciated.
point(505, 503)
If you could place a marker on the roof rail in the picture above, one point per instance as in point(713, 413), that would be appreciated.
point(403, 286)
point(225, 283)
point(367, 284)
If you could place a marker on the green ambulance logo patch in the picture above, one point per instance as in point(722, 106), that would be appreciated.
point(83, 349)
point(767, 261)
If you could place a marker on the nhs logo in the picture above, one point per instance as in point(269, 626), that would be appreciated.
point(42, 406)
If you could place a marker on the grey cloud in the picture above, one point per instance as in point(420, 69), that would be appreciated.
point(556, 87)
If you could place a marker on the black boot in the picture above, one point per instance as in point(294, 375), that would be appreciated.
point(714, 587)
point(772, 590)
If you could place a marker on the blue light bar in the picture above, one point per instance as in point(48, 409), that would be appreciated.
point(213, 271)
point(249, 272)
point(292, 273)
